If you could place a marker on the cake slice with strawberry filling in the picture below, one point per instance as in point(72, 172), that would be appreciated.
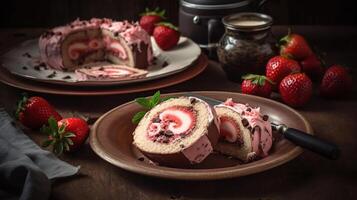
point(244, 132)
point(177, 132)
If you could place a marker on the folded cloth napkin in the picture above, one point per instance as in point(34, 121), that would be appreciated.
point(26, 170)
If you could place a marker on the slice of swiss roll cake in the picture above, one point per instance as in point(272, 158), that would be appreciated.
point(177, 132)
point(246, 134)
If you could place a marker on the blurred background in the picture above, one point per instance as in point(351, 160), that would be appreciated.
point(48, 13)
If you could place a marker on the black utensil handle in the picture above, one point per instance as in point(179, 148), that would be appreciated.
point(312, 143)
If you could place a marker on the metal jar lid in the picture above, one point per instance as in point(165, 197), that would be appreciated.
point(214, 4)
point(247, 21)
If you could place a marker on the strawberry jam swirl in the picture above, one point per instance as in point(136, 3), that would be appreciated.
point(172, 123)
point(258, 124)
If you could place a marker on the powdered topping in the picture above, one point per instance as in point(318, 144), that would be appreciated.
point(171, 123)
point(109, 72)
point(258, 125)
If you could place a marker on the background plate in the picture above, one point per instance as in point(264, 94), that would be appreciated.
point(111, 138)
point(26, 55)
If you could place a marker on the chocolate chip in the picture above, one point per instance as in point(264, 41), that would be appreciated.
point(161, 132)
point(193, 100)
point(245, 122)
point(53, 74)
point(182, 146)
point(243, 113)
point(27, 55)
point(249, 109)
point(37, 68)
point(164, 64)
point(72, 26)
point(141, 159)
point(156, 120)
point(169, 133)
point(182, 135)
point(101, 69)
point(249, 128)
point(24, 67)
point(67, 77)
point(116, 34)
point(166, 140)
point(13, 123)
point(265, 117)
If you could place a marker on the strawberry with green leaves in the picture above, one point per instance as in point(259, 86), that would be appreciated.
point(148, 104)
point(34, 112)
point(166, 35)
point(257, 85)
point(294, 46)
point(151, 17)
point(65, 135)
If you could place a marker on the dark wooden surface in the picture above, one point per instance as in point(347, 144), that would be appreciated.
point(306, 177)
point(44, 13)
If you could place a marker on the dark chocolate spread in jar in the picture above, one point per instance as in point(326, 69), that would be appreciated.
point(246, 45)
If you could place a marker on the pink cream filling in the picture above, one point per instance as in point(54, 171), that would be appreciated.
point(229, 129)
point(262, 133)
point(173, 122)
point(76, 49)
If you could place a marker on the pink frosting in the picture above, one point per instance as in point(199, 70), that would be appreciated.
point(50, 42)
point(262, 139)
point(199, 150)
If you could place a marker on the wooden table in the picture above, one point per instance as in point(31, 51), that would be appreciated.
point(307, 177)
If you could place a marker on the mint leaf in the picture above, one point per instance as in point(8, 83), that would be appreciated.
point(155, 99)
point(143, 102)
point(137, 117)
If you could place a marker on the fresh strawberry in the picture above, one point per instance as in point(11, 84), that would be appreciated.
point(278, 67)
point(313, 67)
point(294, 46)
point(151, 17)
point(34, 112)
point(296, 89)
point(166, 35)
point(65, 135)
point(256, 85)
point(336, 82)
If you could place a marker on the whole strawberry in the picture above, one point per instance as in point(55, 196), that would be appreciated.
point(295, 47)
point(65, 135)
point(166, 35)
point(296, 89)
point(336, 82)
point(256, 85)
point(151, 17)
point(34, 112)
point(313, 67)
point(278, 67)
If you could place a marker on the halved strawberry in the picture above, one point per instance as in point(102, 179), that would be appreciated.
point(229, 129)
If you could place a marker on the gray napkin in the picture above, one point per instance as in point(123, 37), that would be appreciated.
point(26, 169)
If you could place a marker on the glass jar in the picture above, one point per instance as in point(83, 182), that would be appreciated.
point(246, 45)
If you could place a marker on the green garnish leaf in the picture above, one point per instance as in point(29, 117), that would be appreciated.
point(143, 102)
point(155, 99)
point(137, 117)
point(148, 104)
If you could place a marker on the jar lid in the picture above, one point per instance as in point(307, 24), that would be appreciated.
point(214, 4)
point(247, 21)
